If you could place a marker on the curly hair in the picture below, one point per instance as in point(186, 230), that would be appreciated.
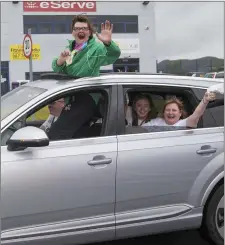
point(83, 19)
point(151, 114)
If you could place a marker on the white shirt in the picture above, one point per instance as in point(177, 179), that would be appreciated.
point(140, 122)
point(48, 123)
point(161, 122)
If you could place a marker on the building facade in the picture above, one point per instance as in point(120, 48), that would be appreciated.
point(50, 24)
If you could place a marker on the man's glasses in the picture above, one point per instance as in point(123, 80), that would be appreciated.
point(80, 28)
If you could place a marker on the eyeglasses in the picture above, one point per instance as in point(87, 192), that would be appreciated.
point(80, 28)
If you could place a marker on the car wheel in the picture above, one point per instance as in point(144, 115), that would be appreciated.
point(213, 221)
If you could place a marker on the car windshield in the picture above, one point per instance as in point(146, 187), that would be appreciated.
point(18, 97)
point(209, 75)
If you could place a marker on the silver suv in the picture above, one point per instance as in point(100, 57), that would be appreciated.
point(106, 181)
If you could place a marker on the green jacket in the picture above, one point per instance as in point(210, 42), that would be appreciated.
point(88, 61)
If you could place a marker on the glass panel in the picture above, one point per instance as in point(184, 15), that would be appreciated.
point(209, 75)
point(33, 28)
point(45, 22)
point(38, 18)
point(97, 18)
point(45, 28)
point(60, 28)
point(97, 27)
point(63, 18)
point(118, 27)
point(28, 18)
point(18, 97)
point(218, 115)
point(220, 75)
point(132, 28)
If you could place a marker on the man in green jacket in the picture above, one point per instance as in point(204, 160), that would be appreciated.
point(84, 56)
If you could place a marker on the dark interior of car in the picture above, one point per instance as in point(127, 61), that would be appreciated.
point(92, 128)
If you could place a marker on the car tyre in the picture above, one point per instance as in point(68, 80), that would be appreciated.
point(213, 220)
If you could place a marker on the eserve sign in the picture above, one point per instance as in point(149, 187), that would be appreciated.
point(59, 6)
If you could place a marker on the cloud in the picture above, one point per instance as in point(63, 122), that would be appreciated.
point(188, 30)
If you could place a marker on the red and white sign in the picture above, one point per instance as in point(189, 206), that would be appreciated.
point(27, 46)
point(59, 6)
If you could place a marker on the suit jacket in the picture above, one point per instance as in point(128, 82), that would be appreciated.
point(74, 115)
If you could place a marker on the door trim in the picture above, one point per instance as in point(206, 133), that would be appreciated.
point(152, 214)
point(52, 229)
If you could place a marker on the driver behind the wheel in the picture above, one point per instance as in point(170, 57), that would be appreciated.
point(73, 117)
point(55, 109)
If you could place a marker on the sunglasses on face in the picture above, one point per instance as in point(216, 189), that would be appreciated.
point(80, 28)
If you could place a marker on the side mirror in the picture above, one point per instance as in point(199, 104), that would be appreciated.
point(27, 137)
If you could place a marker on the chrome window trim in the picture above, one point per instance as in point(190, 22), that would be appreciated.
point(175, 133)
point(161, 84)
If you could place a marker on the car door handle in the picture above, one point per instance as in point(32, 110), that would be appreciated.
point(99, 160)
point(206, 150)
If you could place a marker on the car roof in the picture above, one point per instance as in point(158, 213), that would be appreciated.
point(56, 81)
point(21, 81)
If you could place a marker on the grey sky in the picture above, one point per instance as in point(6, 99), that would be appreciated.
point(189, 29)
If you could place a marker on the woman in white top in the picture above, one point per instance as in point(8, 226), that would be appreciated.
point(142, 110)
point(173, 112)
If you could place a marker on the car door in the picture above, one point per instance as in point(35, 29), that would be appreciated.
point(63, 193)
point(161, 177)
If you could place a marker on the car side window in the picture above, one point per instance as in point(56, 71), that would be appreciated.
point(154, 121)
point(214, 113)
point(220, 75)
point(82, 114)
point(39, 116)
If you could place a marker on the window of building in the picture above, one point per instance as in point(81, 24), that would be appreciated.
point(60, 28)
point(97, 27)
point(45, 28)
point(132, 27)
point(62, 18)
point(126, 65)
point(49, 24)
point(118, 27)
point(33, 27)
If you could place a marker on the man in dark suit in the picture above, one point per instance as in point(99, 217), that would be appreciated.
point(73, 117)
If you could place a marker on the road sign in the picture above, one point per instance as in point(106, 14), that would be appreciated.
point(27, 46)
point(16, 52)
